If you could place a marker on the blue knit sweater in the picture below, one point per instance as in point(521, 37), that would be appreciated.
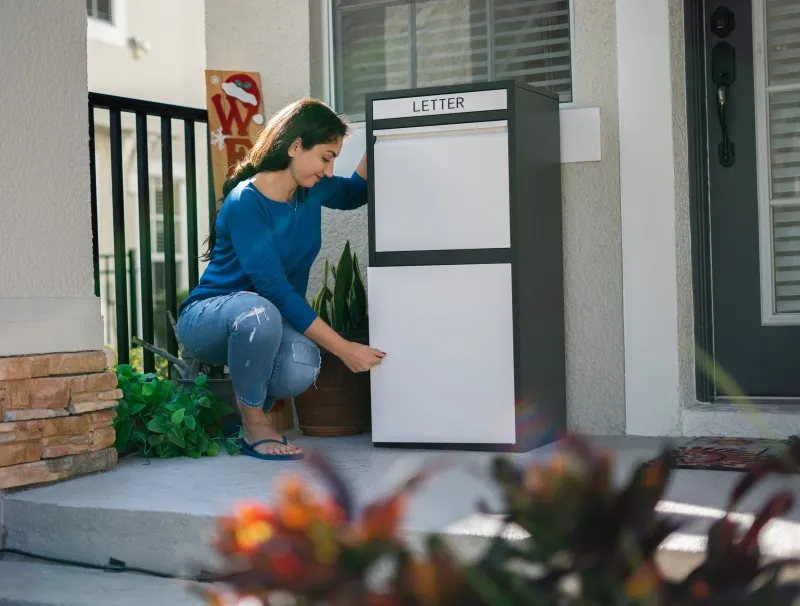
point(268, 247)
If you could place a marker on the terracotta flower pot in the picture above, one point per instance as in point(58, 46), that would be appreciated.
point(339, 404)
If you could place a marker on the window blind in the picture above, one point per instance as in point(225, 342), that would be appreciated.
point(392, 44)
point(783, 105)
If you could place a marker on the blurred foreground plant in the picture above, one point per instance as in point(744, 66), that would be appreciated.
point(590, 544)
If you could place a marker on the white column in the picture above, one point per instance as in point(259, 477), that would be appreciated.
point(47, 301)
point(647, 178)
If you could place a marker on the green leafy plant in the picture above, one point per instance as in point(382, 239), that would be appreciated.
point(343, 307)
point(162, 418)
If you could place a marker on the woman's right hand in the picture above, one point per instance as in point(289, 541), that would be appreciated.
point(357, 357)
point(360, 358)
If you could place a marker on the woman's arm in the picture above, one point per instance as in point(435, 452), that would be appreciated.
point(346, 193)
point(361, 169)
point(357, 357)
point(252, 241)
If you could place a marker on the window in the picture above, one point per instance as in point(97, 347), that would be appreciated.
point(777, 74)
point(394, 44)
point(107, 21)
point(100, 10)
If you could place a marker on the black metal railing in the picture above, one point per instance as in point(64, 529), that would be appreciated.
point(107, 292)
point(125, 297)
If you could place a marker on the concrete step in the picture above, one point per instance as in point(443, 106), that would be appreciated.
point(25, 583)
point(160, 515)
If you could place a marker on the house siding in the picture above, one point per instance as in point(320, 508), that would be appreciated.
point(45, 234)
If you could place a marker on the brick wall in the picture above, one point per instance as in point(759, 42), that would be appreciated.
point(56, 414)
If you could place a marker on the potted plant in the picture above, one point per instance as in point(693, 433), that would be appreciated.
point(338, 404)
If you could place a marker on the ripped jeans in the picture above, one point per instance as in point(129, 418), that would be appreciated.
point(267, 359)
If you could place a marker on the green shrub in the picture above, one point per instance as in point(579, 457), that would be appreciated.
point(161, 418)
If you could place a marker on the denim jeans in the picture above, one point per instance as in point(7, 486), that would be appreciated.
point(267, 359)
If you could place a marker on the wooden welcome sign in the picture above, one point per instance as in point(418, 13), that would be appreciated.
point(235, 119)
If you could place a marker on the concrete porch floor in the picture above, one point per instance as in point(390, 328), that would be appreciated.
point(158, 514)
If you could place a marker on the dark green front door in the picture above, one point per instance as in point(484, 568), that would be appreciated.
point(745, 131)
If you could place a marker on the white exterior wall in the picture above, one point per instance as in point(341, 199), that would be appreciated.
point(172, 70)
point(47, 301)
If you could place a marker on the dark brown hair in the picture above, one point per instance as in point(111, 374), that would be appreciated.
point(309, 120)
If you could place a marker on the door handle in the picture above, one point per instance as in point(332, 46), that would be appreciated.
point(723, 74)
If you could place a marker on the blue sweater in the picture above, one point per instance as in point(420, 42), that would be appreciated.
point(268, 247)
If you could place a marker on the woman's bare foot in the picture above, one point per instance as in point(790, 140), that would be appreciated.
point(257, 427)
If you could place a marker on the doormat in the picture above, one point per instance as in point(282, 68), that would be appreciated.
point(726, 454)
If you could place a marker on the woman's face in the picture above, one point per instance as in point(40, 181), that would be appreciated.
point(308, 166)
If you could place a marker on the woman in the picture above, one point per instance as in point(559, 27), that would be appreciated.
point(249, 310)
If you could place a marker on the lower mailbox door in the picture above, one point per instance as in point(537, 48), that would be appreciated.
point(442, 187)
point(449, 372)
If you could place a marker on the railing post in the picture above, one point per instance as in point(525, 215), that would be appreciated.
point(118, 211)
point(93, 202)
point(133, 295)
point(145, 242)
point(191, 204)
point(212, 202)
point(170, 277)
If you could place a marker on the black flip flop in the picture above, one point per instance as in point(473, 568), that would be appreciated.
point(250, 451)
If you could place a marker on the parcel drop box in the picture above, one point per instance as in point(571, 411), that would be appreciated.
point(465, 277)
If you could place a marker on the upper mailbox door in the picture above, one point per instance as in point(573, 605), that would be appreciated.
point(442, 187)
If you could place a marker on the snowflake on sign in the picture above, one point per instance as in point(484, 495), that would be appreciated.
point(218, 139)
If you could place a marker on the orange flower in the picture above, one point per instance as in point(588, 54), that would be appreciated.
point(381, 520)
point(558, 464)
point(297, 507)
point(248, 527)
point(251, 535)
point(644, 582)
point(537, 482)
point(653, 476)
point(424, 579)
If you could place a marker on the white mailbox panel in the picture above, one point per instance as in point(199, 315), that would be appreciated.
point(449, 372)
point(442, 187)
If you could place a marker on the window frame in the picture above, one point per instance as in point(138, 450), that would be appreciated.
point(328, 13)
point(114, 33)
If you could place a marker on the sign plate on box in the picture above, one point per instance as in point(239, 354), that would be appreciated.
point(433, 105)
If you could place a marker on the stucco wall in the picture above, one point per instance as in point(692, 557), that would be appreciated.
point(683, 232)
point(45, 234)
point(172, 70)
point(592, 236)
